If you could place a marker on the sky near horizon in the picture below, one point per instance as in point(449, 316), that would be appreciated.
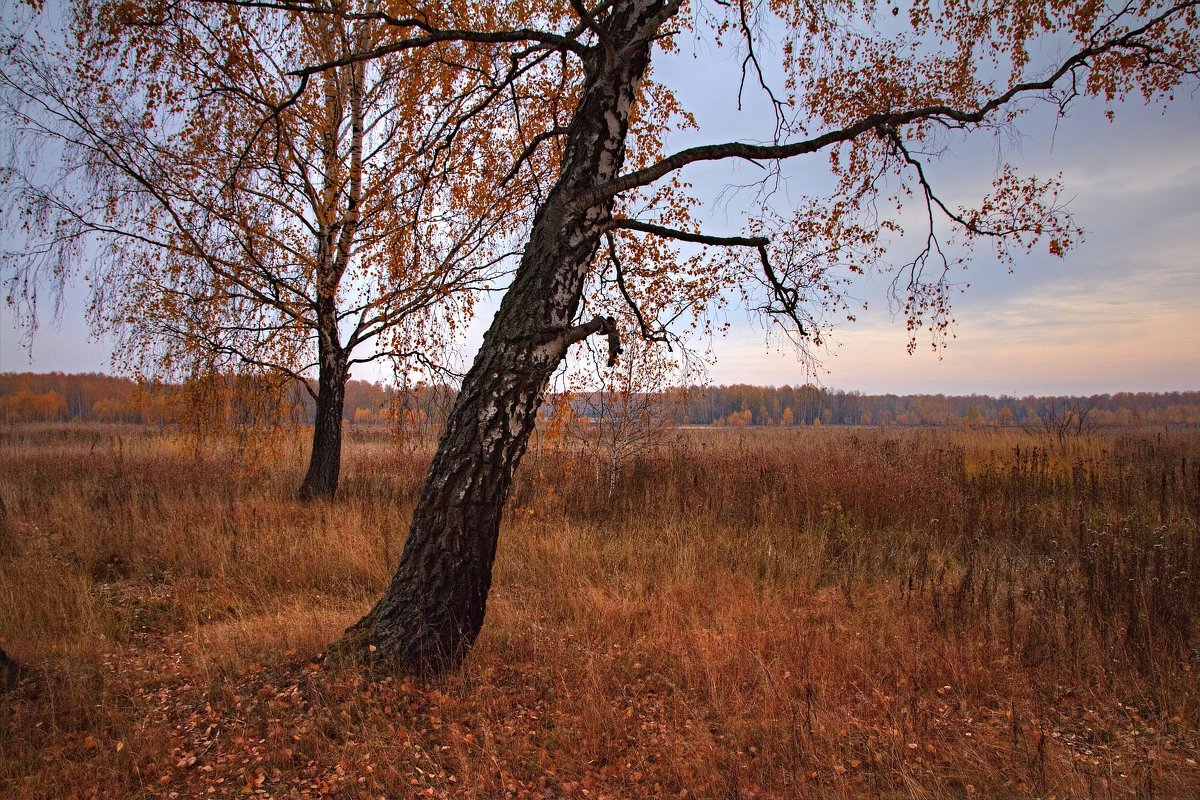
point(1120, 313)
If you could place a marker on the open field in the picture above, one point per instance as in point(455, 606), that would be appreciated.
point(743, 613)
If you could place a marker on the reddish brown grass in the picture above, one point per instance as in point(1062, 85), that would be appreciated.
point(777, 614)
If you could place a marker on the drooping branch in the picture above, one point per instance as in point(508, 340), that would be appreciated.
point(752, 59)
point(643, 327)
point(785, 299)
point(787, 296)
point(931, 198)
point(976, 224)
point(933, 245)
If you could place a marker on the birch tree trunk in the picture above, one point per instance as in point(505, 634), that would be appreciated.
point(432, 611)
point(325, 461)
point(333, 258)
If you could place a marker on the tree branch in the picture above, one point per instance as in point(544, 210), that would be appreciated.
point(529, 150)
point(586, 19)
point(752, 58)
point(644, 327)
point(550, 40)
point(685, 236)
point(597, 324)
point(788, 296)
point(1130, 40)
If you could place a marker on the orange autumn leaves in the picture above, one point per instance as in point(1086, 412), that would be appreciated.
point(230, 196)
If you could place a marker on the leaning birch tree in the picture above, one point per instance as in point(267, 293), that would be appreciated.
point(876, 91)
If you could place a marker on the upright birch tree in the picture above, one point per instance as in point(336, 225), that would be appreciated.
point(235, 219)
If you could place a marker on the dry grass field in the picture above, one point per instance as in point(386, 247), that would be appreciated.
point(780, 613)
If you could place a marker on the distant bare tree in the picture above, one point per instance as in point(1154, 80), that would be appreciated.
point(1065, 417)
point(630, 413)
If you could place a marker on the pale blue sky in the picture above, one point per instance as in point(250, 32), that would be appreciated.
point(1121, 312)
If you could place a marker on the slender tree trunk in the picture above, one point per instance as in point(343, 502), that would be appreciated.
point(334, 248)
point(433, 609)
point(325, 462)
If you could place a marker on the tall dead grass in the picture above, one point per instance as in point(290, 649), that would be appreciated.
point(782, 613)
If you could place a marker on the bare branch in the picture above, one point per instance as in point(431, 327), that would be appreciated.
point(597, 324)
point(787, 296)
point(752, 58)
point(686, 236)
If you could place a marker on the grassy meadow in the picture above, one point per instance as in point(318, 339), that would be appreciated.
point(754, 613)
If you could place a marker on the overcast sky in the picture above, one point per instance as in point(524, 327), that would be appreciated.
point(1120, 312)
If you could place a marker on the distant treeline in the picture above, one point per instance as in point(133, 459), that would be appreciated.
point(57, 397)
point(91, 397)
point(741, 404)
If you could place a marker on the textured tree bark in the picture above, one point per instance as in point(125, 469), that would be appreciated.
point(325, 461)
point(432, 611)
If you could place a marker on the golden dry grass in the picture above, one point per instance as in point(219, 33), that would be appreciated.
point(763, 613)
